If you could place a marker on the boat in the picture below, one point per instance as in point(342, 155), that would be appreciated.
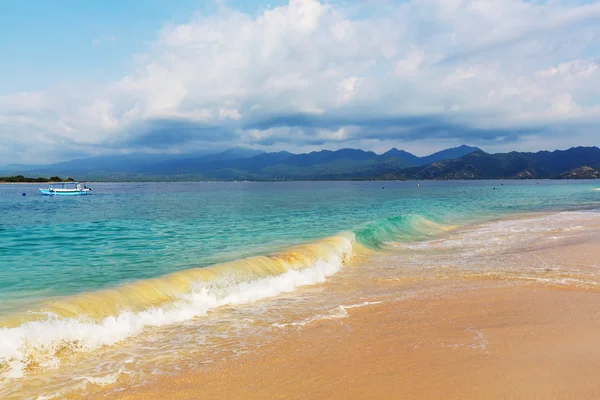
point(65, 189)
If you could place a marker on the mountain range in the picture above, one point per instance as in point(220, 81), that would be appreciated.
point(574, 163)
point(462, 162)
point(238, 164)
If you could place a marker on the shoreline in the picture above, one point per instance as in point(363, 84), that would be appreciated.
point(492, 337)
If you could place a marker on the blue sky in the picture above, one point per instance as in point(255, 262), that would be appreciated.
point(49, 42)
point(100, 77)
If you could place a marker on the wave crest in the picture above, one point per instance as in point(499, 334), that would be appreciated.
point(400, 228)
point(88, 321)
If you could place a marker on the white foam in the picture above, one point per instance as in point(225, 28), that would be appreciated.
point(499, 234)
point(103, 380)
point(364, 304)
point(39, 340)
point(49, 397)
point(83, 382)
point(338, 312)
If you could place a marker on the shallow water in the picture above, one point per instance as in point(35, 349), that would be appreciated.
point(128, 275)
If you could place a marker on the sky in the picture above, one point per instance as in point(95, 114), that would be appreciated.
point(126, 76)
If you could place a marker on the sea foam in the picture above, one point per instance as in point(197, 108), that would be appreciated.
point(44, 341)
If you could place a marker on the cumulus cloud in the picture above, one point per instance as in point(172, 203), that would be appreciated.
point(498, 74)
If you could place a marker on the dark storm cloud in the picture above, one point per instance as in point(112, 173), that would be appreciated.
point(387, 128)
point(164, 133)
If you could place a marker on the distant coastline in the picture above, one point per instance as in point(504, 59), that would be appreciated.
point(20, 179)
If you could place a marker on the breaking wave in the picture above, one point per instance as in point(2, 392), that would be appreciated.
point(88, 321)
point(59, 328)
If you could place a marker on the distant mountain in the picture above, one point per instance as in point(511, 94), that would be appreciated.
point(448, 154)
point(237, 163)
point(271, 166)
point(196, 164)
point(99, 164)
point(14, 167)
point(575, 162)
point(462, 162)
point(317, 165)
point(409, 158)
point(235, 153)
point(581, 173)
point(136, 164)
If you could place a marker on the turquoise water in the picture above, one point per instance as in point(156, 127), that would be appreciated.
point(137, 279)
point(54, 246)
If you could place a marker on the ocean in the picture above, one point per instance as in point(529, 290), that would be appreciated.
point(141, 280)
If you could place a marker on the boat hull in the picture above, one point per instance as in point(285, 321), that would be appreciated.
point(59, 192)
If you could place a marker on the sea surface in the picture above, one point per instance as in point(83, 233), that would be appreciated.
point(140, 280)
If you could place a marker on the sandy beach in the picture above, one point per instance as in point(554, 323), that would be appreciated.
point(476, 338)
point(495, 343)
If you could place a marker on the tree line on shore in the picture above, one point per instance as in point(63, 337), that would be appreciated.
point(24, 179)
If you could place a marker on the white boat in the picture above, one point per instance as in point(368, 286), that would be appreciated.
point(65, 189)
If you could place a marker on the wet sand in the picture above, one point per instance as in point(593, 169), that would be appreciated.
point(490, 341)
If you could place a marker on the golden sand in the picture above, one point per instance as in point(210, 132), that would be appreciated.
point(518, 342)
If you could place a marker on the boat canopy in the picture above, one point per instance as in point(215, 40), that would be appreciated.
point(65, 185)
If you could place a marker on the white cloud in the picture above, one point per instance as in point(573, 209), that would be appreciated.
point(348, 88)
point(411, 64)
point(471, 66)
point(571, 70)
point(563, 104)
